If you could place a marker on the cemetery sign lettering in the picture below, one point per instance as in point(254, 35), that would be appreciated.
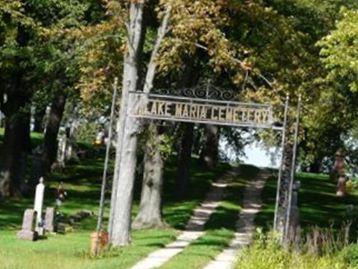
point(197, 110)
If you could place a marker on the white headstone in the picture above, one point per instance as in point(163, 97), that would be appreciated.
point(61, 153)
point(39, 199)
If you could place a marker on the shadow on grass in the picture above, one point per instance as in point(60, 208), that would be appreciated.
point(82, 183)
point(219, 230)
point(318, 204)
point(178, 212)
point(248, 171)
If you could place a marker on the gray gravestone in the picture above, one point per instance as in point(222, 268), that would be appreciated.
point(28, 226)
point(50, 219)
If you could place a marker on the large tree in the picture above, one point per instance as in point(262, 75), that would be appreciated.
point(128, 127)
point(16, 66)
point(34, 59)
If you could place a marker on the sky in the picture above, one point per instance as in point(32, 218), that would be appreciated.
point(255, 154)
point(258, 156)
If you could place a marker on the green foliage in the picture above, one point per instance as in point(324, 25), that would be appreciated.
point(87, 132)
point(340, 50)
point(333, 115)
point(263, 49)
point(32, 52)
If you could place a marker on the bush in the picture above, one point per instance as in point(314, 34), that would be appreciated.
point(352, 185)
point(87, 132)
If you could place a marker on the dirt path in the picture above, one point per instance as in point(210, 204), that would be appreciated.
point(245, 225)
point(194, 228)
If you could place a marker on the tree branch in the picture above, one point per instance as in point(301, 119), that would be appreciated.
point(162, 30)
point(242, 64)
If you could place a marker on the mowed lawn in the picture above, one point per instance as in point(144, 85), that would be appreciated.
point(320, 211)
point(82, 182)
point(318, 204)
point(317, 200)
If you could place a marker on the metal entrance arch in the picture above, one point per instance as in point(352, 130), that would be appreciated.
point(207, 104)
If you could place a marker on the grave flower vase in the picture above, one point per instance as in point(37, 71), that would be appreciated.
point(102, 242)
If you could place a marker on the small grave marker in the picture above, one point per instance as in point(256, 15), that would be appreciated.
point(50, 219)
point(28, 226)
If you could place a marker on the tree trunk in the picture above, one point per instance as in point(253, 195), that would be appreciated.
point(17, 128)
point(184, 161)
point(50, 144)
point(150, 214)
point(315, 166)
point(1, 119)
point(16, 146)
point(127, 128)
point(197, 144)
point(210, 151)
point(38, 119)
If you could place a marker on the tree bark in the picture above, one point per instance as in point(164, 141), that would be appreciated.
point(127, 128)
point(38, 119)
point(210, 150)
point(315, 166)
point(50, 144)
point(150, 213)
point(16, 146)
point(17, 142)
point(184, 161)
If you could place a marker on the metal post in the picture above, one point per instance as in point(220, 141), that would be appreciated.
point(275, 223)
point(293, 169)
point(106, 160)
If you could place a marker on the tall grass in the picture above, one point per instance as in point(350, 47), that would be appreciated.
point(323, 241)
point(320, 250)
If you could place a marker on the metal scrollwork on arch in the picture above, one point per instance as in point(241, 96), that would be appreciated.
point(206, 91)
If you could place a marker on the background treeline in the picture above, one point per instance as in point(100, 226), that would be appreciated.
point(59, 58)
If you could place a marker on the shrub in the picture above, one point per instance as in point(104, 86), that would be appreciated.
point(87, 132)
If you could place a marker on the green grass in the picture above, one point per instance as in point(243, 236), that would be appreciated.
point(82, 182)
point(202, 251)
point(36, 138)
point(68, 252)
point(317, 200)
point(318, 204)
point(319, 207)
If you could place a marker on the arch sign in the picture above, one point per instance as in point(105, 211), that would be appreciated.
point(201, 110)
point(209, 105)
